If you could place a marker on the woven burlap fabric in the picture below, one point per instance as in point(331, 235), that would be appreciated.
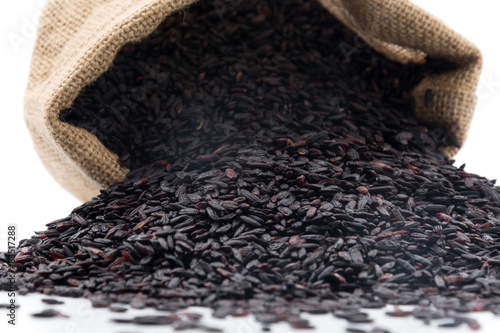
point(405, 33)
point(78, 40)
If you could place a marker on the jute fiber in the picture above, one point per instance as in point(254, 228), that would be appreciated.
point(78, 40)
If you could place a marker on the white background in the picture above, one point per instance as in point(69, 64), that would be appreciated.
point(30, 198)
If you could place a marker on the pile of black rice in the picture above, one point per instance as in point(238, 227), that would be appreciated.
point(276, 168)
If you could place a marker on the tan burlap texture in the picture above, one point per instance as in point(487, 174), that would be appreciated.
point(78, 40)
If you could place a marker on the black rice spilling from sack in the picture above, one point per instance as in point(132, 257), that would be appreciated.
point(276, 169)
point(265, 72)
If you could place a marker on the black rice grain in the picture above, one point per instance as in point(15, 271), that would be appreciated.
point(269, 176)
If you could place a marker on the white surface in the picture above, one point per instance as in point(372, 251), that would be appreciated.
point(41, 199)
point(84, 319)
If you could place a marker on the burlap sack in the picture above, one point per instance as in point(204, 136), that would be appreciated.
point(78, 40)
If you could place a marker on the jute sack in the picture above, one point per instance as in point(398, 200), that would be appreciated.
point(78, 40)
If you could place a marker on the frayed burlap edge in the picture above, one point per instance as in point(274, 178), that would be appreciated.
point(78, 41)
